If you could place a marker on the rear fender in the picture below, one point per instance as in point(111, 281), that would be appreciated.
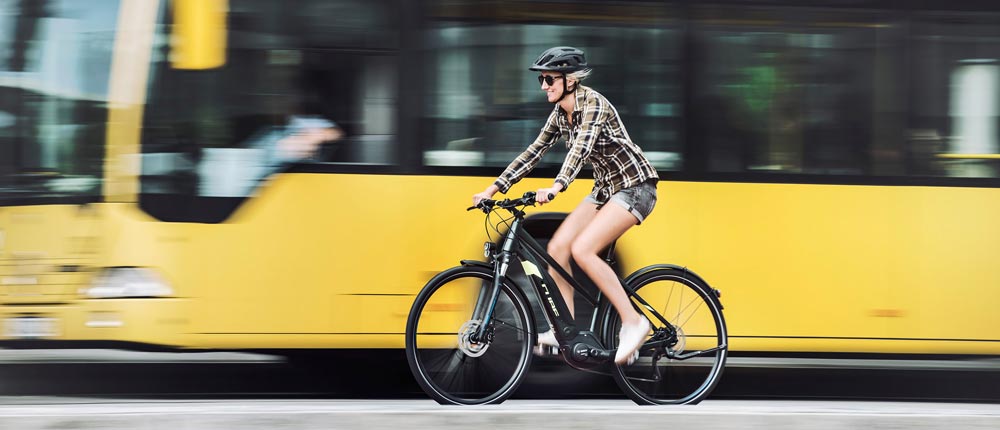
point(687, 273)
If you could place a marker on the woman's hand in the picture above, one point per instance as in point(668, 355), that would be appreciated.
point(542, 195)
point(486, 194)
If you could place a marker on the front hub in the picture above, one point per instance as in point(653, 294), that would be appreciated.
point(466, 344)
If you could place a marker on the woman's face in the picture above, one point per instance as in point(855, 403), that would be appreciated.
point(555, 90)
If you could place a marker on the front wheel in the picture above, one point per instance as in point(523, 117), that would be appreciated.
point(683, 358)
point(447, 362)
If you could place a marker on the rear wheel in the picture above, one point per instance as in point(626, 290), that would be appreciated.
point(447, 362)
point(682, 360)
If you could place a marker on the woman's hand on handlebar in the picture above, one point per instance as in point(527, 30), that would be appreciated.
point(486, 194)
point(545, 195)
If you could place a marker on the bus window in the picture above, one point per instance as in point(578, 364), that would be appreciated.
point(483, 106)
point(309, 81)
point(956, 96)
point(55, 60)
point(796, 90)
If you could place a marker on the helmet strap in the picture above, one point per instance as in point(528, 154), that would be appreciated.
point(566, 92)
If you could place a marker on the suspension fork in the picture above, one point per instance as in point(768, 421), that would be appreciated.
point(499, 272)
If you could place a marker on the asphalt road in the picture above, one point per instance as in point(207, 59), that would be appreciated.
point(67, 413)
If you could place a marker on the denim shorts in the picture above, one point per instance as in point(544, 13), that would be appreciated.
point(637, 199)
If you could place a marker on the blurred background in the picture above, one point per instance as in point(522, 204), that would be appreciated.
point(280, 178)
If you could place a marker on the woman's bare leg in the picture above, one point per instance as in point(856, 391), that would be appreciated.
point(608, 225)
point(561, 242)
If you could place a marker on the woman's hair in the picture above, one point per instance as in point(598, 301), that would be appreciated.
point(579, 75)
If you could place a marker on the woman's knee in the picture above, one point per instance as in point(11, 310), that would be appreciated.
point(558, 249)
point(582, 251)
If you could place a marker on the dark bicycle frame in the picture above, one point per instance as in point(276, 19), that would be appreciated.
point(515, 243)
point(518, 244)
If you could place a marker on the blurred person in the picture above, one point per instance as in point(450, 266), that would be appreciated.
point(623, 176)
point(299, 138)
point(303, 136)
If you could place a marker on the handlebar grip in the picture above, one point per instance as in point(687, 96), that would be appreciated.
point(484, 205)
point(552, 196)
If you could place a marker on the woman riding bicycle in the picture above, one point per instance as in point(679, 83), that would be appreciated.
point(594, 133)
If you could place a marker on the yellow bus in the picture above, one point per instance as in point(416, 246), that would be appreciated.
point(831, 169)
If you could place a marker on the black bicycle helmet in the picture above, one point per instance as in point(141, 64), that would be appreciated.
point(564, 59)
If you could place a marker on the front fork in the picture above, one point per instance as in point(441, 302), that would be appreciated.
point(485, 330)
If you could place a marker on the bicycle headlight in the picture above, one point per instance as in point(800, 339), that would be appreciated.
point(127, 282)
point(489, 248)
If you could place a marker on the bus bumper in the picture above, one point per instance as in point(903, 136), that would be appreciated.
point(157, 321)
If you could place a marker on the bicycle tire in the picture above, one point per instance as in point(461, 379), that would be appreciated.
point(692, 308)
point(453, 370)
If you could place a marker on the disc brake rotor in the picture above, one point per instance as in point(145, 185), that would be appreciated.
point(469, 348)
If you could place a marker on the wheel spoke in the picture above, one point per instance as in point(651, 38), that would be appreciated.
point(453, 367)
point(511, 326)
point(697, 304)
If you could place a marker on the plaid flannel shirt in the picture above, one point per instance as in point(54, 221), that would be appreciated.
point(597, 135)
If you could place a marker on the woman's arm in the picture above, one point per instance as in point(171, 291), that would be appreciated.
point(528, 159)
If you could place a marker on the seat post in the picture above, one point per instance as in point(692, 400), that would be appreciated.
point(609, 256)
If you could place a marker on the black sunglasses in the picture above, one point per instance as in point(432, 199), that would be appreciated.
point(548, 79)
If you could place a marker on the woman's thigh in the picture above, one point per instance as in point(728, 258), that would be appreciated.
point(605, 227)
point(574, 223)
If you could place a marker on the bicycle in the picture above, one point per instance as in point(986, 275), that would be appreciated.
point(471, 330)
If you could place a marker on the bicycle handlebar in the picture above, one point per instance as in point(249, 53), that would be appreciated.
point(528, 199)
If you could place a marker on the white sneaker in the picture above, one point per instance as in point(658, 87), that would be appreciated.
point(547, 344)
point(630, 338)
point(548, 338)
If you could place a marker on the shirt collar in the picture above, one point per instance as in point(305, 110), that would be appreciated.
point(581, 96)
